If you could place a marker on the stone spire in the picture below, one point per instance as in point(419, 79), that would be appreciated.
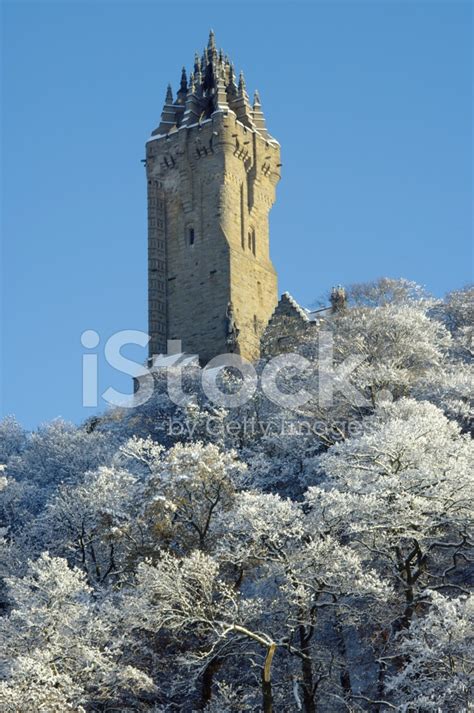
point(183, 88)
point(193, 109)
point(231, 86)
point(241, 104)
point(257, 115)
point(212, 49)
point(168, 115)
point(211, 88)
point(221, 93)
point(212, 40)
point(197, 63)
point(181, 95)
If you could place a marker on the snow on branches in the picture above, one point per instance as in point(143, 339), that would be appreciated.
point(271, 567)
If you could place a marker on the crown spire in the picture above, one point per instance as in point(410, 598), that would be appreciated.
point(183, 88)
point(197, 63)
point(212, 86)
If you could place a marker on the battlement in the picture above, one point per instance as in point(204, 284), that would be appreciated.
point(222, 132)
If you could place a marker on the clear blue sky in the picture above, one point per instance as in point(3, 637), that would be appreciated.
point(372, 104)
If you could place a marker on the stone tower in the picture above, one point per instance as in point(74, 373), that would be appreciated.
point(212, 168)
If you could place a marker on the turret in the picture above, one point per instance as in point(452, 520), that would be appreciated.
point(338, 299)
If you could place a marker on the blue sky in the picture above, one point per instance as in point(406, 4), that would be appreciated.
point(371, 102)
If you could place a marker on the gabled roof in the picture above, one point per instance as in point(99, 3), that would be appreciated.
point(303, 313)
point(287, 300)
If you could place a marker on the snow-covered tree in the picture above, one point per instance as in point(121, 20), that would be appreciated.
point(93, 523)
point(457, 313)
point(451, 390)
point(267, 557)
point(403, 489)
point(188, 598)
point(401, 494)
point(185, 489)
point(316, 582)
point(60, 452)
point(397, 345)
point(438, 669)
point(62, 655)
point(384, 291)
point(457, 309)
point(12, 439)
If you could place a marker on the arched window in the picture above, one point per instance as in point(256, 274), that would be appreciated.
point(191, 236)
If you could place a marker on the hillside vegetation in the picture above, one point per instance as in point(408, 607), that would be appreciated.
point(263, 557)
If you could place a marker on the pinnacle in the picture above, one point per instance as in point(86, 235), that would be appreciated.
point(256, 98)
point(212, 40)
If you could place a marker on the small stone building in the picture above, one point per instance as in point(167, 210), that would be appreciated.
point(290, 321)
